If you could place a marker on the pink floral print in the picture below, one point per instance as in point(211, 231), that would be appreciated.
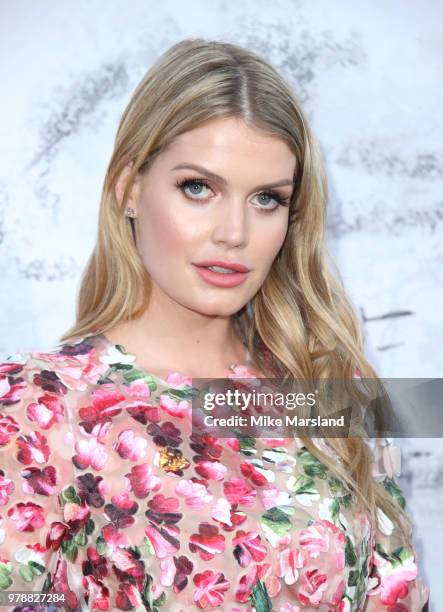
point(110, 499)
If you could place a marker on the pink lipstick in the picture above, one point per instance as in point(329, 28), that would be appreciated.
point(223, 274)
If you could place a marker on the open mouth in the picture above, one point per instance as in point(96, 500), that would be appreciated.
point(221, 277)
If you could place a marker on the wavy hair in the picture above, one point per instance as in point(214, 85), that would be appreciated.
point(300, 323)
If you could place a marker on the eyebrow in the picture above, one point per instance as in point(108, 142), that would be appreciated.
point(223, 181)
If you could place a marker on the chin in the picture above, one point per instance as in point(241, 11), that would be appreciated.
point(216, 310)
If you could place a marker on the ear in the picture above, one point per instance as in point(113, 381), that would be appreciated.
point(120, 186)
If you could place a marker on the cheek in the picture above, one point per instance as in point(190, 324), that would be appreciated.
point(271, 241)
point(165, 238)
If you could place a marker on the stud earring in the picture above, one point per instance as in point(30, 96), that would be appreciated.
point(130, 212)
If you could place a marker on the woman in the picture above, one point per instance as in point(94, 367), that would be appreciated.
point(110, 500)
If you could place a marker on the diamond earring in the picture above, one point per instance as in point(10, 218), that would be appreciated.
point(130, 212)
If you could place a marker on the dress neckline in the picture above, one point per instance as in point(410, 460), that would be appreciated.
point(110, 345)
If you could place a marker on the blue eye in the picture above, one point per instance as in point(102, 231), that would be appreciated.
point(195, 189)
point(273, 195)
point(191, 183)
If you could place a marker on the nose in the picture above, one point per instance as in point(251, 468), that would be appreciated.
point(231, 223)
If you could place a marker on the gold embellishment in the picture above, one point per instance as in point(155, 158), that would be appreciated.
point(172, 460)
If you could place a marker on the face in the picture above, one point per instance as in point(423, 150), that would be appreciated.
point(219, 192)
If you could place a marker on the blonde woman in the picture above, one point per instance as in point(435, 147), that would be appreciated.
point(210, 261)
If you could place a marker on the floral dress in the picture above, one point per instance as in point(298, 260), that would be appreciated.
point(109, 500)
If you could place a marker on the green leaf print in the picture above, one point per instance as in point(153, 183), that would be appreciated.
point(247, 445)
point(361, 591)
point(121, 365)
point(70, 549)
point(364, 569)
point(394, 490)
point(402, 554)
point(260, 598)
point(311, 465)
point(346, 501)
point(275, 455)
point(106, 378)
point(353, 578)
point(135, 550)
point(147, 545)
point(32, 569)
point(159, 601)
point(48, 584)
point(37, 568)
point(340, 491)
point(102, 547)
point(5, 574)
point(382, 551)
point(69, 494)
point(350, 556)
point(80, 538)
point(355, 591)
point(133, 374)
point(398, 556)
point(337, 487)
point(187, 393)
point(302, 485)
point(147, 595)
point(334, 509)
point(277, 519)
point(26, 573)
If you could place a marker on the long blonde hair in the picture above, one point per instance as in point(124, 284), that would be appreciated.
point(302, 324)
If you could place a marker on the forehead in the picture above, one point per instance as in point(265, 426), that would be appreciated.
point(231, 144)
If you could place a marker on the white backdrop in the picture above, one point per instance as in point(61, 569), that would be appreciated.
point(368, 77)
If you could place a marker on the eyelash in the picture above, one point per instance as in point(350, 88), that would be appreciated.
point(182, 184)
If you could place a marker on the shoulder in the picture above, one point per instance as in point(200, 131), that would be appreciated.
point(19, 374)
point(66, 367)
point(31, 395)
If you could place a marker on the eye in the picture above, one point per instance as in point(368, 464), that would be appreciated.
point(195, 187)
point(272, 195)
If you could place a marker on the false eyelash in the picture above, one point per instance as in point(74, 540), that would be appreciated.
point(277, 197)
point(188, 181)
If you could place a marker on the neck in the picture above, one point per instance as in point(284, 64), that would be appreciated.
point(188, 342)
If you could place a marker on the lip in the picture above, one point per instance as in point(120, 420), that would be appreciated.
point(220, 279)
point(231, 265)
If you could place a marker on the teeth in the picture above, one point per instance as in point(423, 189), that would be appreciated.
point(220, 269)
